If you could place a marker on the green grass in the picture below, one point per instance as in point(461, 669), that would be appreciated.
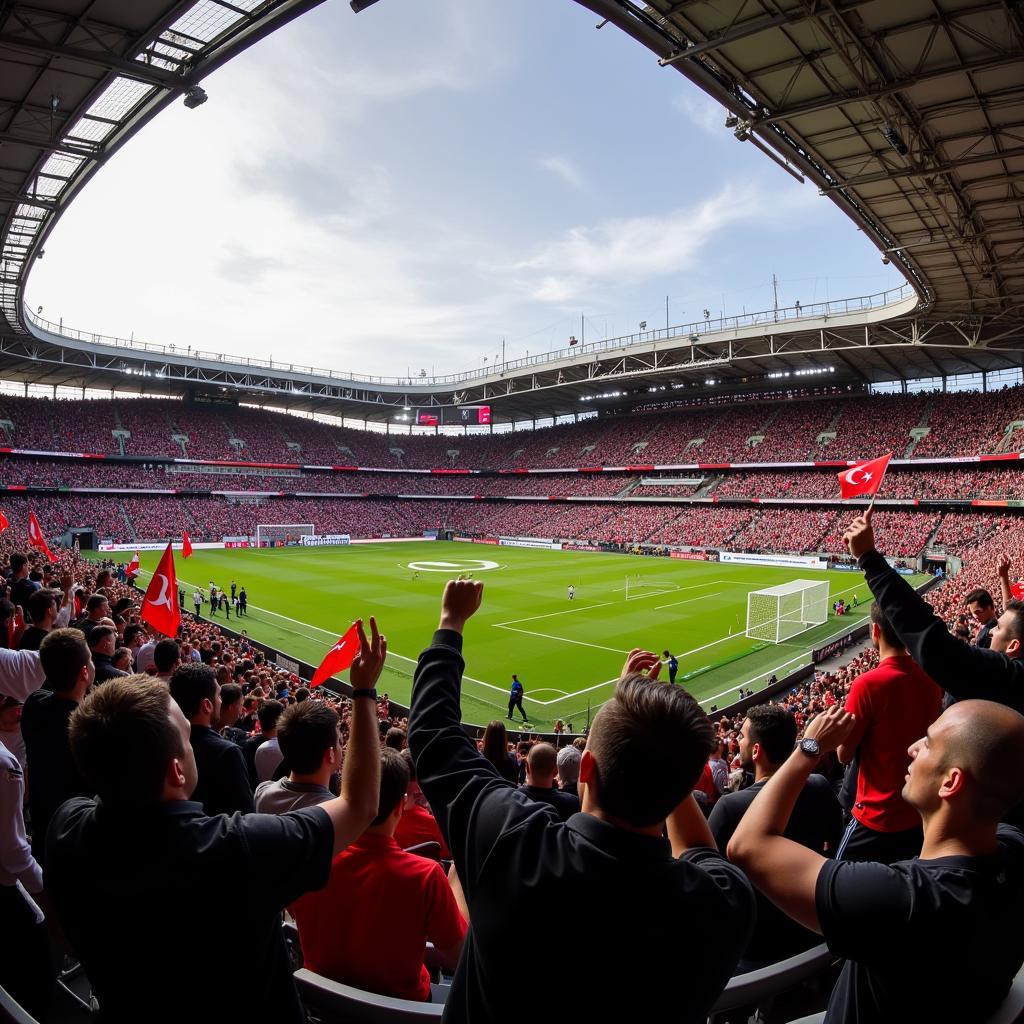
point(567, 654)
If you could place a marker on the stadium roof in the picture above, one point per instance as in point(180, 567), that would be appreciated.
point(909, 116)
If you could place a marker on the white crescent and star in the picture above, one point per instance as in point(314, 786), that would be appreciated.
point(851, 476)
point(164, 596)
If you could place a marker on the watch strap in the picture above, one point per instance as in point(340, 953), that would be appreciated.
point(365, 693)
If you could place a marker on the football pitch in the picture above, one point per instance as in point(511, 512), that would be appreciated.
point(567, 653)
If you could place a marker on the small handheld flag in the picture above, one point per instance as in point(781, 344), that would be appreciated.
point(186, 545)
point(4, 523)
point(339, 657)
point(864, 477)
point(1017, 590)
point(133, 567)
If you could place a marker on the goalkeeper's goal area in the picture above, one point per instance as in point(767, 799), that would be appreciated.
point(269, 534)
point(780, 613)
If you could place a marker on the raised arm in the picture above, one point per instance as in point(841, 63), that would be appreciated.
point(1003, 571)
point(966, 672)
point(785, 871)
point(473, 804)
point(356, 807)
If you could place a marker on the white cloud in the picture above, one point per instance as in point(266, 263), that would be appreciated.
point(562, 167)
point(630, 249)
point(702, 111)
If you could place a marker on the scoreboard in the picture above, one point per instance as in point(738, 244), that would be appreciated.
point(454, 415)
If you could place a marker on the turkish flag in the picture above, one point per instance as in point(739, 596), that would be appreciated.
point(160, 605)
point(133, 567)
point(36, 538)
point(1017, 590)
point(186, 546)
point(339, 657)
point(4, 522)
point(864, 478)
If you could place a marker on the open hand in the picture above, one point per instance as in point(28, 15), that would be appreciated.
point(860, 536)
point(1003, 567)
point(369, 663)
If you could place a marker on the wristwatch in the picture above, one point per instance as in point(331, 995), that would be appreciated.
point(810, 748)
point(365, 693)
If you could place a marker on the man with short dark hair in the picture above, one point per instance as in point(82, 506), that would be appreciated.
point(230, 712)
point(134, 639)
point(646, 748)
point(96, 608)
point(981, 606)
point(53, 776)
point(166, 658)
point(405, 899)
point(268, 756)
point(103, 643)
point(223, 784)
point(893, 705)
point(541, 768)
point(41, 611)
point(897, 925)
point(267, 715)
point(22, 588)
point(395, 738)
point(309, 735)
point(130, 873)
point(766, 739)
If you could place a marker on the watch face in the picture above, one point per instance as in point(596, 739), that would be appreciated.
point(810, 747)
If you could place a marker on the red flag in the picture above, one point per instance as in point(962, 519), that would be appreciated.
point(864, 478)
point(160, 605)
point(1017, 590)
point(339, 657)
point(36, 538)
point(133, 567)
point(4, 523)
point(186, 546)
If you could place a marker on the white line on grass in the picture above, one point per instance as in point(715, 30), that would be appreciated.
point(561, 639)
point(333, 636)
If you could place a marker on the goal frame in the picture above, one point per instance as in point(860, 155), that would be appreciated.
point(779, 613)
point(294, 530)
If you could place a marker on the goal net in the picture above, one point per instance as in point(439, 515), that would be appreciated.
point(269, 535)
point(779, 613)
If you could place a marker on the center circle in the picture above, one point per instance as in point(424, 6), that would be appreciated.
point(462, 565)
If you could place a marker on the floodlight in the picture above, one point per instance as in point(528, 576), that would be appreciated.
point(195, 96)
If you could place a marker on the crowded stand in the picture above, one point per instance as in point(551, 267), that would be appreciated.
point(903, 534)
point(964, 423)
point(796, 530)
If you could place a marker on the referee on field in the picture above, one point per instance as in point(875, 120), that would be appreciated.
point(515, 698)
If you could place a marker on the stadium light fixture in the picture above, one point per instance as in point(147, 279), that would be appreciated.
point(195, 96)
point(361, 5)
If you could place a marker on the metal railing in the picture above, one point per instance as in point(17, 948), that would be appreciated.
point(694, 331)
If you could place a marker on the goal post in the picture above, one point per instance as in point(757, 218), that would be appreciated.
point(779, 613)
point(269, 534)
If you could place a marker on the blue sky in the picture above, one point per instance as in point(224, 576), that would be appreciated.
point(405, 187)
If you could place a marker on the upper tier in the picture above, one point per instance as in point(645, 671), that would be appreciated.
point(794, 430)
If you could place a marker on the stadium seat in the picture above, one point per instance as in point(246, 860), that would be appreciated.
point(11, 1012)
point(1009, 1011)
point(333, 1001)
point(756, 986)
point(431, 850)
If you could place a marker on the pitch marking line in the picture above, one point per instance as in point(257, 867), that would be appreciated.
point(334, 636)
point(600, 604)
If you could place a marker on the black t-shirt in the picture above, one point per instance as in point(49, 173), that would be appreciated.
point(31, 639)
point(564, 803)
point(817, 823)
point(930, 940)
point(135, 893)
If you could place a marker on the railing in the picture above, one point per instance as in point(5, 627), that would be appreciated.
point(694, 331)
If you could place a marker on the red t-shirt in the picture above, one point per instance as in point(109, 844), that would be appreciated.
point(369, 926)
point(418, 825)
point(894, 704)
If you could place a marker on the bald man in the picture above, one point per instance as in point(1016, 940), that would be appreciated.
point(935, 938)
point(541, 768)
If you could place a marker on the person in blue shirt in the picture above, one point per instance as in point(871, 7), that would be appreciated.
point(515, 698)
point(673, 665)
